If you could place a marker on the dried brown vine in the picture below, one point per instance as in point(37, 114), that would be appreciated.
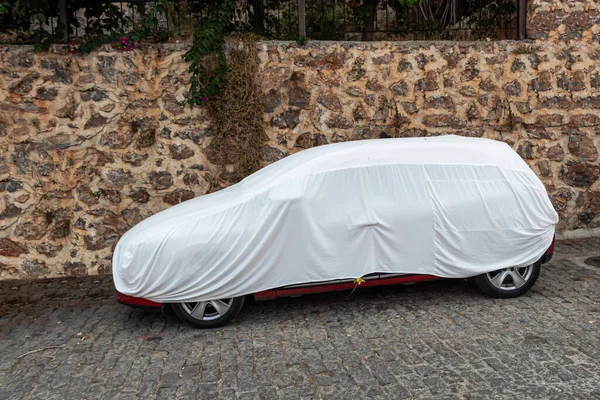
point(236, 113)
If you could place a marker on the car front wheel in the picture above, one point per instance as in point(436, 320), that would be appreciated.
point(209, 314)
point(508, 282)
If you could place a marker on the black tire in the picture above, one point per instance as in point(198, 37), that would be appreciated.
point(212, 318)
point(508, 288)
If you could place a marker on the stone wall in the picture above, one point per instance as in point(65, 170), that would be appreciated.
point(91, 145)
point(542, 99)
point(564, 20)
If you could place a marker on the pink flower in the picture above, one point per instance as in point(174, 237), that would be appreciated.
point(123, 44)
point(70, 47)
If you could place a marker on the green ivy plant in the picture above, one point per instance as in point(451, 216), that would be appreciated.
point(208, 64)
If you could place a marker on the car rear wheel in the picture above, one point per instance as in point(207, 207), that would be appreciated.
point(508, 282)
point(209, 314)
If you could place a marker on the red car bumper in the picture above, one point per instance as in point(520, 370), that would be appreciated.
point(548, 254)
point(137, 302)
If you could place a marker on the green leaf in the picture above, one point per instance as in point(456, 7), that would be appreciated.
point(40, 17)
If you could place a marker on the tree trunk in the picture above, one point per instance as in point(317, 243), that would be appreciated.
point(369, 23)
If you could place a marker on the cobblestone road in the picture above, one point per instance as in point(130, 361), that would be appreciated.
point(69, 339)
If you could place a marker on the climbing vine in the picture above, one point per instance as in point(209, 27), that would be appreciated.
point(208, 64)
point(226, 85)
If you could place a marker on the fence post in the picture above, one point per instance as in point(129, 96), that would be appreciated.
point(301, 19)
point(62, 18)
point(522, 13)
point(259, 17)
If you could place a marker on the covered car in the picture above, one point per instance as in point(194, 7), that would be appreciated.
point(449, 207)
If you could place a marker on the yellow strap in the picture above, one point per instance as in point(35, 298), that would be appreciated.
point(357, 283)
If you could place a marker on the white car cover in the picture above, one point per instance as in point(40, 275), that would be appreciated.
point(448, 206)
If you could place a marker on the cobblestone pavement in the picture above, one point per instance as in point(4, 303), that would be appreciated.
point(69, 339)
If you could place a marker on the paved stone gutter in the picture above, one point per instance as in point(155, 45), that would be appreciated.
point(68, 338)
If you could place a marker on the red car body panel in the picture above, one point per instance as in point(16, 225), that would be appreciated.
point(319, 288)
point(335, 287)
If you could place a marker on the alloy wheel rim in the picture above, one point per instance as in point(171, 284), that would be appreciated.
point(510, 278)
point(208, 310)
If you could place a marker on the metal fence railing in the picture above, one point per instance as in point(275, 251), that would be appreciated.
point(66, 20)
point(428, 19)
